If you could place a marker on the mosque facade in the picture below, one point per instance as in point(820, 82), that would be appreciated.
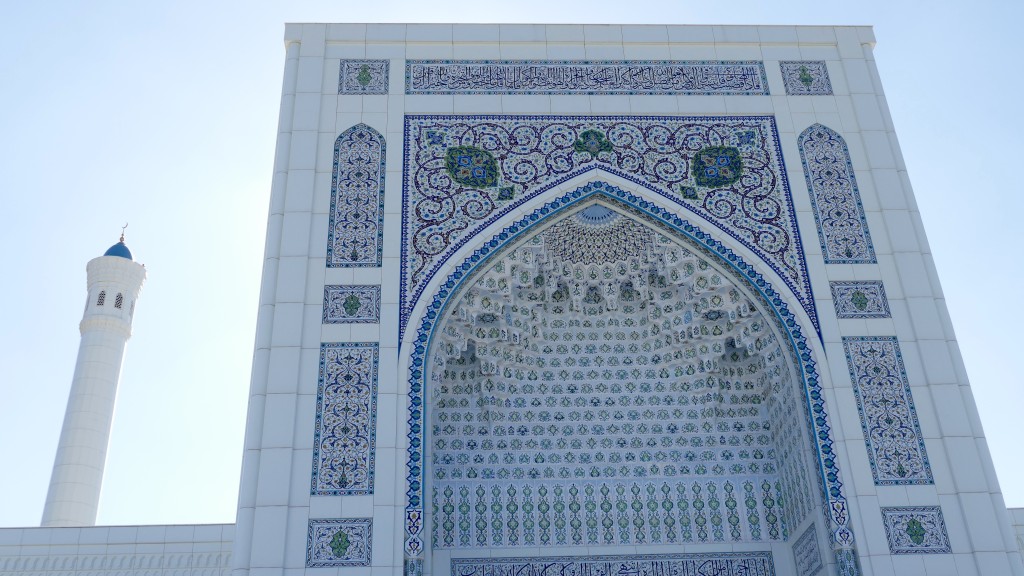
point(589, 300)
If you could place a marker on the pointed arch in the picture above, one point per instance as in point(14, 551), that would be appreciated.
point(835, 198)
point(355, 231)
point(786, 325)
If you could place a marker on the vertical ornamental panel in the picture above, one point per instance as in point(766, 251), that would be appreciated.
point(346, 410)
point(835, 199)
point(887, 413)
point(357, 199)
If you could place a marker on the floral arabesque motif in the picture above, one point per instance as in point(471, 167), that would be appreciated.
point(835, 199)
point(534, 153)
point(808, 77)
point(356, 224)
point(887, 413)
point(860, 299)
point(363, 77)
point(351, 304)
point(346, 414)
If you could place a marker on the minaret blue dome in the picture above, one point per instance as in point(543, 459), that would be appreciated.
point(120, 250)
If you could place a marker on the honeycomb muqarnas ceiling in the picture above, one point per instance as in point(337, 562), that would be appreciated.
point(601, 383)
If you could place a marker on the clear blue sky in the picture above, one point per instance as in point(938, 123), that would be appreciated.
point(164, 115)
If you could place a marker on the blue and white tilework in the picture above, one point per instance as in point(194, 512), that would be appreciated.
point(835, 199)
point(806, 78)
point(807, 554)
point(632, 77)
point(346, 414)
point(351, 304)
point(702, 244)
point(356, 225)
point(916, 530)
point(363, 77)
point(887, 413)
point(339, 542)
point(461, 173)
point(692, 564)
point(860, 299)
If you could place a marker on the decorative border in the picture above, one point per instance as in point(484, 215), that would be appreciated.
point(331, 542)
point(682, 564)
point(806, 553)
point(878, 441)
point(827, 232)
point(333, 262)
point(798, 281)
point(632, 77)
point(340, 308)
point(916, 530)
point(363, 77)
point(319, 487)
point(835, 506)
point(871, 303)
point(806, 78)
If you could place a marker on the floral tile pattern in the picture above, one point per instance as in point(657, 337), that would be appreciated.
point(351, 304)
point(355, 231)
point(809, 77)
point(346, 416)
point(860, 299)
point(339, 542)
point(692, 564)
point(461, 173)
point(363, 77)
point(835, 199)
point(584, 77)
point(887, 414)
point(807, 554)
point(916, 530)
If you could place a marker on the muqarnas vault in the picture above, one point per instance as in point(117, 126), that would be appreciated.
point(604, 299)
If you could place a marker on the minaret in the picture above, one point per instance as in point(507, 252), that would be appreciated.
point(114, 284)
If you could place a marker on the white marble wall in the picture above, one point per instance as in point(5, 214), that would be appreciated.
point(275, 503)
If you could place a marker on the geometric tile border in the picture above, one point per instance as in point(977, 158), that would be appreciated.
point(860, 299)
point(351, 304)
point(835, 199)
point(356, 227)
point(836, 510)
point(363, 77)
point(339, 542)
point(346, 415)
point(806, 553)
point(916, 530)
point(887, 414)
point(806, 78)
point(682, 564)
point(584, 77)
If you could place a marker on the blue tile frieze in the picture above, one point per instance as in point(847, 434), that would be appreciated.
point(683, 564)
point(887, 414)
point(632, 77)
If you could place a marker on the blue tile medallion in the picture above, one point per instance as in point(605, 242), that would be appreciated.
point(351, 304)
point(806, 78)
point(916, 530)
point(363, 77)
point(860, 299)
point(339, 542)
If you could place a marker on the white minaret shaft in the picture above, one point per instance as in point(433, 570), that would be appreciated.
point(114, 285)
